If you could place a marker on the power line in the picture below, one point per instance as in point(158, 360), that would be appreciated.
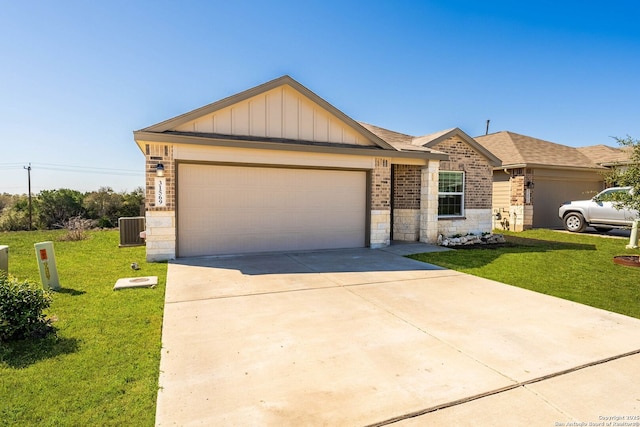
point(8, 166)
point(65, 168)
point(85, 167)
point(105, 172)
point(75, 168)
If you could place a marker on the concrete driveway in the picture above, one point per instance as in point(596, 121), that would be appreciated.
point(367, 337)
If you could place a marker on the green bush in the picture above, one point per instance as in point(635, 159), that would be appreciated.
point(21, 309)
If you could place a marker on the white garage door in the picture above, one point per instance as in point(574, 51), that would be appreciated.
point(237, 209)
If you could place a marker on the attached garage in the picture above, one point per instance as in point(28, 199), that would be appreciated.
point(553, 187)
point(276, 168)
point(537, 176)
point(226, 209)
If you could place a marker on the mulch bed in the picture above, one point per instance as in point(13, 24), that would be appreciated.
point(628, 260)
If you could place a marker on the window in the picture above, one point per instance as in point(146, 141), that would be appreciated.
point(451, 194)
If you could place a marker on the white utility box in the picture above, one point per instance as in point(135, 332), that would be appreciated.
point(47, 263)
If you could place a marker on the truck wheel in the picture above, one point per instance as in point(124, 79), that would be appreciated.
point(574, 222)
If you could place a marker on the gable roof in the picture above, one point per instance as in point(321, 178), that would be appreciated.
point(392, 137)
point(186, 128)
point(434, 139)
point(605, 155)
point(175, 122)
point(517, 150)
point(408, 142)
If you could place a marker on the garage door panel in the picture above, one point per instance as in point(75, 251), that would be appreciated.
point(549, 194)
point(238, 209)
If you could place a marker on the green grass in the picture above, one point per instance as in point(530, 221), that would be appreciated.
point(575, 267)
point(102, 368)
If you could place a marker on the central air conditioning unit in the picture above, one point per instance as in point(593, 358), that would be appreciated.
point(130, 229)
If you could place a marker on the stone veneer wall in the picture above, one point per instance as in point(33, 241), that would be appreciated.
point(429, 202)
point(161, 235)
point(160, 221)
point(380, 204)
point(406, 225)
point(475, 221)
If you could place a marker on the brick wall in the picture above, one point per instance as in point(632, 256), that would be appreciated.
point(381, 185)
point(478, 184)
point(521, 210)
point(154, 154)
point(406, 186)
point(519, 178)
point(380, 203)
point(161, 221)
point(517, 190)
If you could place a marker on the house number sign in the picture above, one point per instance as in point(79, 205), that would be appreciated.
point(161, 197)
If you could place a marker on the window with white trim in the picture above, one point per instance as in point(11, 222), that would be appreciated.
point(450, 194)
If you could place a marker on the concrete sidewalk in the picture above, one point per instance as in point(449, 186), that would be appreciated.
point(366, 337)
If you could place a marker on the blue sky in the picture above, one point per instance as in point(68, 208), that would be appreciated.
point(77, 77)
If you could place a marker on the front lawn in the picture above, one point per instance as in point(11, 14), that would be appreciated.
point(576, 267)
point(102, 368)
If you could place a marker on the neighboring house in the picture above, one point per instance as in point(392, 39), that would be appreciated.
point(606, 156)
point(537, 176)
point(278, 168)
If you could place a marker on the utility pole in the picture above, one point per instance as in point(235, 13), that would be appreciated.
point(28, 168)
point(486, 132)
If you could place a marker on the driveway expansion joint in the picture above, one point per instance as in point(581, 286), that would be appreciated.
point(522, 384)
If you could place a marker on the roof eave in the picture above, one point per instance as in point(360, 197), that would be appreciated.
point(546, 166)
point(143, 136)
point(615, 163)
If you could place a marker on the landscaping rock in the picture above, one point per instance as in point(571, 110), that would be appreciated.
point(471, 240)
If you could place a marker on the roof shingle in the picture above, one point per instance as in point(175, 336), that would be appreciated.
point(515, 149)
point(605, 155)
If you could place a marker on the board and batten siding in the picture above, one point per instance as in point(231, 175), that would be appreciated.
point(279, 113)
point(501, 192)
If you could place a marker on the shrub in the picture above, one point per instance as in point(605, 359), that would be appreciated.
point(104, 222)
point(12, 219)
point(21, 309)
point(77, 228)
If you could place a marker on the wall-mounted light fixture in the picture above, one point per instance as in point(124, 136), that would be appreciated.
point(529, 185)
point(160, 170)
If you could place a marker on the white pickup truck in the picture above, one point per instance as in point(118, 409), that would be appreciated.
point(600, 213)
